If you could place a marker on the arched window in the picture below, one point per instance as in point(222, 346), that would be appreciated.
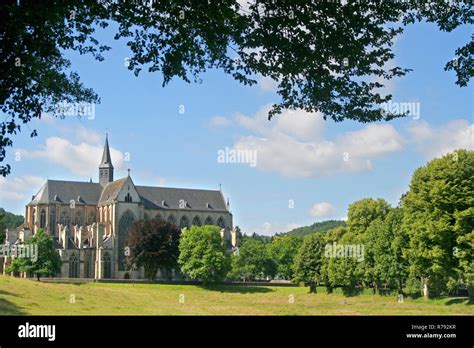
point(107, 265)
point(209, 221)
point(197, 221)
point(158, 217)
point(88, 266)
point(220, 222)
point(52, 223)
point(125, 222)
point(184, 222)
point(78, 218)
point(64, 218)
point(73, 266)
point(128, 198)
point(172, 219)
point(91, 218)
point(43, 218)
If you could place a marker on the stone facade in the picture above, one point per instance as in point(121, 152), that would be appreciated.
point(89, 221)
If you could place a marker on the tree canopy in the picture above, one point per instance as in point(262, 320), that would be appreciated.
point(47, 263)
point(253, 261)
point(438, 218)
point(323, 55)
point(308, 261)
point(153, 244)
point(203, 254)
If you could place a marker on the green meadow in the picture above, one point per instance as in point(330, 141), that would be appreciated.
point(30, 297)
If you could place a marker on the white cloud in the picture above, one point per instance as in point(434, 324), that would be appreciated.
point(295, 123)
point(267, 84)
point(17, 188)
point(294, 145)
point(81, 159)
point(435, 142)
point(220, 121)
point(321, 210)
point(88, 135)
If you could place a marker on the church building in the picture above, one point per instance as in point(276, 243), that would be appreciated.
point(89, 221)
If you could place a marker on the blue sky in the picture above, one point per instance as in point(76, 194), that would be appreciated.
point(301, 175)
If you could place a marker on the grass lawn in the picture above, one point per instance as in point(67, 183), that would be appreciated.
point(29, 297)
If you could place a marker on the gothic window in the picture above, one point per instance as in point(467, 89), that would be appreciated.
point(78, 218)
point(197, 221)
point(73, 266)
point(184, 222)
point(64, 218)
point(128, 198)
point(107, 266)
point(220, 222)
point(91, 218)
point(125, 222)
point(88, 267)
point(43, 218)
point(146, 217)
point(158, 217)
point(52, 223)
point(172, 219)
point(209, 221)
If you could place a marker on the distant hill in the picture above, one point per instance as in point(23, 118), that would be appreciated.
point(316, 227)
point(8, 220)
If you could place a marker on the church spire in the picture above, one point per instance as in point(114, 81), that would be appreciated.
point(106, 169)
point(106, 154)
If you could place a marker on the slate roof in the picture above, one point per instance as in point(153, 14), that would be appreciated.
point(58, 191)
point(106, 158)
point(153, 197)
point(111, 190)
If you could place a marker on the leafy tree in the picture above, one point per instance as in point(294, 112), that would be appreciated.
point(327, 264)
point(48, 261)
point(153, 244)
point(8, 221)
point(385, 242)
point(308, 261)
point(203, 254)
point(317, 66)
point(253, 261)
point(345, 271)
point(464, 251)
point(360, 214)
point(438, 220)
point(283, 251)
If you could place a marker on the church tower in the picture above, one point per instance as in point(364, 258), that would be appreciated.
point(106, 169)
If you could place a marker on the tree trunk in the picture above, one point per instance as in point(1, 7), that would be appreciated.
point(312, 289)
point(38, 277)
point(470, 291)
point(425, 289)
